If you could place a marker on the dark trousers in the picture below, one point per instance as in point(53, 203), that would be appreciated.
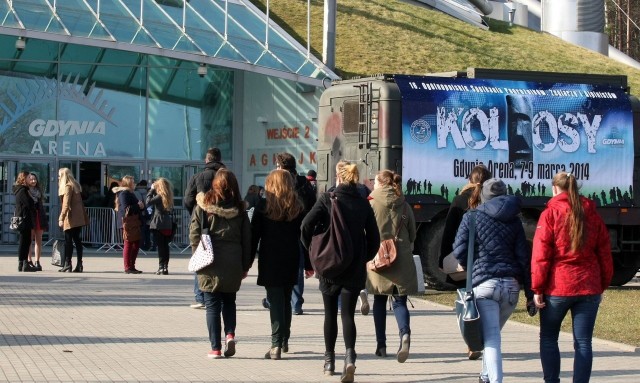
point(162, 241)
point(400, 310)
point(280, 313)
point(217, 303)
point(348, 300)
point(72, 237)
point(24, 244)
point(130, 254)
point(584, 310)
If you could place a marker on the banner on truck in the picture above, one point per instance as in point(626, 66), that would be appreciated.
point(524, 132)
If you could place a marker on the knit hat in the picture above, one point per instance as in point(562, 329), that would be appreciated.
point(492, 187)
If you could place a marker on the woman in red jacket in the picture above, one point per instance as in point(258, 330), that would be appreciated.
point(571, 266)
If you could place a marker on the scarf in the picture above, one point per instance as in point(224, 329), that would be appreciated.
point(35, 194)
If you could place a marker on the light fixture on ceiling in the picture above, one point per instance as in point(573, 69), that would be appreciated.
point(202, 70)
point(20, 43)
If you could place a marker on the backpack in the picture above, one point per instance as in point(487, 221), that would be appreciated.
point(331, 252)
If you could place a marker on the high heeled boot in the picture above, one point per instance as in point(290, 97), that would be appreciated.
point(329, 362)
point(27, 267)
point(160, 268)
point(349, 369)
point(79, 267)
point(38, 266)
point(67, 266)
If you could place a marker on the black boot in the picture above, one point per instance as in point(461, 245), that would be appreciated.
point(38, 266)
point(27, 267)
point(67, 266)
point(20, 264)
point(78, 268)
point(165, 270)
point(160, 269)
point(349, 369)
point(329, 362)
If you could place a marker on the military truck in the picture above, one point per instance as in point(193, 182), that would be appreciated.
point(524, 126)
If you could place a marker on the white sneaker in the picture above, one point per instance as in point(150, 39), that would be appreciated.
point(197, 305)
point(364, 303)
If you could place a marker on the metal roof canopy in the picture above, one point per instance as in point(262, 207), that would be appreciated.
point(224, 33)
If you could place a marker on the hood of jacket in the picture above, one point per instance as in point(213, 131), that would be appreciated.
point(16, 188)
point(214, 165)
point(503, 208)
point(223, 209)
point(118, 189)
point(387, 196)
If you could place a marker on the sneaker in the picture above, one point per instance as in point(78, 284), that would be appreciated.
point(214, 354)
point(197, 305)
point(230, 346)
point(265, 303)
point(364, 303)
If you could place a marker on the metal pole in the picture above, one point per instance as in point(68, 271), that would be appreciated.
point(329, 38)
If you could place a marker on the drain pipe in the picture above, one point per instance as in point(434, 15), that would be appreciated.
point(483, 6)
point(329, 34)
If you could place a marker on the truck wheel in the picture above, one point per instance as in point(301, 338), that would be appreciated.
point(430, 238)
point(622, 274)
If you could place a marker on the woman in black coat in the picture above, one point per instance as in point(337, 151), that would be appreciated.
point(25, 208)
point(276, 227)
point(365, 237)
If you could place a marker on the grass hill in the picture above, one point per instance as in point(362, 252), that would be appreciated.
point(393, 36)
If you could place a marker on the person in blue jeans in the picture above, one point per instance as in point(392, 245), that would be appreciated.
point(501, 264)
point(571, 267)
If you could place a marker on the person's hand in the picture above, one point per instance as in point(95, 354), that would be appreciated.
point(308, 273)
point(140, 204)
point(531, 308)
point(538, 300)
point(60, 223)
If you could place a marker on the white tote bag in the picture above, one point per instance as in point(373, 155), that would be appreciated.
point(203, 256)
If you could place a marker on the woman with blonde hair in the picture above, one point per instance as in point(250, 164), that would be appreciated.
point(160, 197)
point(571, 266)
point(72, 218)
point(222, 210)
point(25, 208)
point(40, 223)
point(395, 219)
point(276, 227)
point(365, 238)
point(128, 204)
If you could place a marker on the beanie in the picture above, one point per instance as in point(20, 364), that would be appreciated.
point(492, 187)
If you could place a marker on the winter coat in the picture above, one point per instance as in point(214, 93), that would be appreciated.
point(362, 226)
point(24, 206)
point(279, 259)
point(72, 209)
point(230, 233)
point(501, 247)
point(126, 198)
point(558, 271)
point(400, 277)
point(162, 218)
point(459, 206)
point(141, 193)
point(41, 213)
point(200, 183)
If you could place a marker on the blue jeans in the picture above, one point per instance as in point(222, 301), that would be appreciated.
point(217, 303)
point(199, 296)
point(399, 304)
point(496, 299)
point(298, 289)
point(584, 310)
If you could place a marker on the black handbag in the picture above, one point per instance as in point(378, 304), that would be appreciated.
point(17, 223)
point(467, 313)
point(56, 253)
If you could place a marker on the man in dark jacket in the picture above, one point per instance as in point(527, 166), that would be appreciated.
point(201, 183)
point(306, 192)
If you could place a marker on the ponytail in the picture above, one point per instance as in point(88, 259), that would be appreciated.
point(389, 178)
point(567, 183)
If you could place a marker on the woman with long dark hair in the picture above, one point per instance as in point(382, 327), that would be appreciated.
point(40, 223)
point(570, 269)
point(160, 198)
point(276, 227)
point(364, 234)
point(224, 214)
point(71, 219)
point(25, 208)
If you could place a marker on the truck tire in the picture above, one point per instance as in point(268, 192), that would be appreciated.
point(622, 274)
point(429, 239)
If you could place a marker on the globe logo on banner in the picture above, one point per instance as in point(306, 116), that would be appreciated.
point(420, 131)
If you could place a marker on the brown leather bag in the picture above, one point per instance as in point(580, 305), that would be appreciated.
point(387, 253)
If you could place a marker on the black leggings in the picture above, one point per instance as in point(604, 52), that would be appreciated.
point(348, 301)
point(72, 237)
point(162, 242)
point(24, 244)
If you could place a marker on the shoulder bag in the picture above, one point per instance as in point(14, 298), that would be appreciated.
point(17, 223)
point(467, 313)
point(57, 252)
point(331, 252)
point(203, 256)
point(387, 253)
point(131, 230)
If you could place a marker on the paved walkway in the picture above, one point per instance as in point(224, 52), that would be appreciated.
point(105, 326)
